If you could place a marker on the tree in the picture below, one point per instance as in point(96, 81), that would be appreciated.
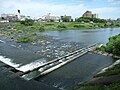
point(87, 19)
point(66, 19)
point(113, 46)
point(52, 20)
point(27, 22)
point(71, 20)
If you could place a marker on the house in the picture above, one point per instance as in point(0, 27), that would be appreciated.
point(48, 18)
point(66, 18)
point(89, 15)
point(14, 17)
point(9, 17)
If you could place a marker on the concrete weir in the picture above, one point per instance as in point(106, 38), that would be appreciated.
point(54, 64)
point(62, 64)
point(60, 58)
point(66, 59)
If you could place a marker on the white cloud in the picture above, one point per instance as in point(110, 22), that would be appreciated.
point(38, 9)
point(114, 2)
point(107, 12)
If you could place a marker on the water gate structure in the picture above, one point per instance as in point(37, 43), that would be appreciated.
point(52, 65)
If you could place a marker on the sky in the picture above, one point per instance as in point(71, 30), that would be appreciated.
point(36, 8)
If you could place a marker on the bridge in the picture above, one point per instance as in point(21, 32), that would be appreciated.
point(54, 64)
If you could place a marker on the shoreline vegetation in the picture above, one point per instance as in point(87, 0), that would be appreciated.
point(27, 31)
point(108, 78)
point(79, 23)
point(46, 26)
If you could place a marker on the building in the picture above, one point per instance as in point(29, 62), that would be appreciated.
point(14, 17)
point(22, 17)
point(89, 15)
point(48, 18)
point(9, 17)
point(118, 20)
point(66, 18)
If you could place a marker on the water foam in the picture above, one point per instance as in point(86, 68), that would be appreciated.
point(13, 45)
point(31, 66)
point(8, 61)
point(2, 41)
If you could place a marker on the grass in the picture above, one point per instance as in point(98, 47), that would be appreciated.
point(31, 38)
point(114, 86)
point(24, 39)
point(61, 26)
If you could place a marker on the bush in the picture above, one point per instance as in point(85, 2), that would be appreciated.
point(41, 28)
point(102, 48)
point(27, 22)
point(113, 46)
point(87, 19)
point(52, 20)
point(61, 26)
point(78, 26)
point(24, 40)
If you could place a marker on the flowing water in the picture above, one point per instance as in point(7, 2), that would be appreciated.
point(66, 77)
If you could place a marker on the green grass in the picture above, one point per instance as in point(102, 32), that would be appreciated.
point(24, 39)
point(33, 37)
point(61, 26)
point(114, 86)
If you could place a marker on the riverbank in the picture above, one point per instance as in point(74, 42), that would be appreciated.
point(45, 26)
point(107, 79)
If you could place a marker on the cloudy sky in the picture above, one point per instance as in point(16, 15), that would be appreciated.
point(75, 8)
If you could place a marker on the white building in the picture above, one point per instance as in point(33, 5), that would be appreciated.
point(9, 17)
point(14, 17)
point(49, 18)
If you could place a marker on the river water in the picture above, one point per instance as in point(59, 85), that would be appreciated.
point(86, 36)
point(68, 76)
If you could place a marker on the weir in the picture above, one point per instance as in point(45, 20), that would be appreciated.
point(61, 61)
point(50, 66)
point(60, 58)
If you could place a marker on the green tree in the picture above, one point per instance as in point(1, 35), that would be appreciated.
point(113, 46)
point(27, 22)
point(87, 19)
point(66, 19)
point(52, 20)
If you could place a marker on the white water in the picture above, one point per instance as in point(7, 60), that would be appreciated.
point(23, 68)
point(2, 41)
point(8, 61)
point(32, 65)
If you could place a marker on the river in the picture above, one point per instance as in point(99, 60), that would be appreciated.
point(66, 77)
